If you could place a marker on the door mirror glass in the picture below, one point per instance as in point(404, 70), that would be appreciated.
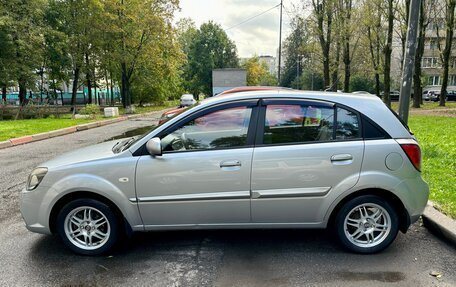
point(153, 146)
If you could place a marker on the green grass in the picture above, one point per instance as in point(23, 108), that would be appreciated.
point(153, 108)
point(427, 105)
point(437, 136)
point(13, 129)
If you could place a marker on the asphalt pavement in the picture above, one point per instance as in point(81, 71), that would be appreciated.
point(200, 258)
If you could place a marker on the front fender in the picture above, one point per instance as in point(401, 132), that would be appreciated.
point(98, 185)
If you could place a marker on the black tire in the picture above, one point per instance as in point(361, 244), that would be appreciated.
point(385, 238)
point(112, 227)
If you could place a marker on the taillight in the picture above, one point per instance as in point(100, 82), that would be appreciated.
point(413, 152)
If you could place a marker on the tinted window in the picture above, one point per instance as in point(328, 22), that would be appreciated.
point(372, 131)
point(347, 125)
point(220, 129)
point(298, 123)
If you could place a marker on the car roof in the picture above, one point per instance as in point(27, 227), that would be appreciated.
point(251, 88)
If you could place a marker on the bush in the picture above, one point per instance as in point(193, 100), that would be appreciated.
point(90, 109)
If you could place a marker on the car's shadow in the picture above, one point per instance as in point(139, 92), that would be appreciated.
point(160, 241)
point(176, 254)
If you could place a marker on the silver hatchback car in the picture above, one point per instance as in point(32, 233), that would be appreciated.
point(263, 159)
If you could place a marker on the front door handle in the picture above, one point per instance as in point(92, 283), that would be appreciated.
point(341, 157)
point(230, 163)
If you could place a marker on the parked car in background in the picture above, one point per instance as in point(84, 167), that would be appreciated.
point(261, 159)
point(451, 96)
point(394, 95)
point(426, 95)
point(435, 96)
point(187, 100)
point(361, 92)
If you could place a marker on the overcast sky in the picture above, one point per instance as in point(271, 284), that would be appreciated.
point(259, 36)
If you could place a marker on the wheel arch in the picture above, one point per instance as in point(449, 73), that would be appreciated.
point(404, 218)
point(61, 202)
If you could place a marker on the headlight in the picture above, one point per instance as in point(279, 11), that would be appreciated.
point(36, 177)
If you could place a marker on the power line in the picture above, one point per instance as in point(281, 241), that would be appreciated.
point(253, 17)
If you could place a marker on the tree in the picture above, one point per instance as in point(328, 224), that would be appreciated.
point(24, 30)
point(298, 48)
point(210, 49)
point(323, 11)
point(375, 38)
point(387, 52)
point(137, 29)
point(257, 73)
point(347, 30)
point(74, 18)
point(427, 7)
point(6, 52)
point(449, 29)
point(186, 32)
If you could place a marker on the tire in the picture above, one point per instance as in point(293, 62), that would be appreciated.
point(367, 234)
point(94, 226)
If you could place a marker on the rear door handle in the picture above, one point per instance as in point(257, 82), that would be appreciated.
point(341, 157)
point(230, 163)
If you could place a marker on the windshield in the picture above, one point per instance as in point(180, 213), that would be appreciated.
point(124, 144)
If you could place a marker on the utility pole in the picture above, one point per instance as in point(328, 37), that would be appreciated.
point(280, 42)
point(409, 59)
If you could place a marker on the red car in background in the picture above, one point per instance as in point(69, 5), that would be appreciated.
point(171, 113)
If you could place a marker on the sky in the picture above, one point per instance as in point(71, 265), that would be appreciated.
point(259, 36)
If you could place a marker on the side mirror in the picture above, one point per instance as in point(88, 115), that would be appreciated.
point(153, 146)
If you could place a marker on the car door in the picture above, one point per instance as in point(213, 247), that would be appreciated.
point(203, 176)
point(306, 153)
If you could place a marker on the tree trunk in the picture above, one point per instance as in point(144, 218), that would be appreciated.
point(447, 50)
point(417, 87)
point(125, 90)
point(335, 73)
point(88, 78)
point(41, 84)
point(22, 90)
point(61, 97)
point(346, 47)
point(4, 94)
point(388, 50)
point(74, 89)
point(377, 84)
point(112, 89)
point(107, 87)
point(321, 10)
point(347, 63)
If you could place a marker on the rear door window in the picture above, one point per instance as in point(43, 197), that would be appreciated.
point(303, 123)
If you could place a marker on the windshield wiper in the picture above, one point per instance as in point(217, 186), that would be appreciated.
point(122, 145)
point(128, 143)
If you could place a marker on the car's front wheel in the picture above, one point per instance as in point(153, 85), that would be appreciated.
point(367, 224)
point(88, 226)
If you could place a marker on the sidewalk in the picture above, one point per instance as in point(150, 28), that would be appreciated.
point(439, 223)
point(55, 133)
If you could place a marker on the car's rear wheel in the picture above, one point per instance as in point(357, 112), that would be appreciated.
point(367, 224)
point(88, 226)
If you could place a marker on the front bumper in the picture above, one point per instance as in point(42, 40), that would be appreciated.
point(33, 211)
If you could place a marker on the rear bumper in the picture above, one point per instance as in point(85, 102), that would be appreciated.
point(414, 194)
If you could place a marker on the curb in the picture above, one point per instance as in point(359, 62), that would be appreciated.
point(440, 224)
point(69, 130)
